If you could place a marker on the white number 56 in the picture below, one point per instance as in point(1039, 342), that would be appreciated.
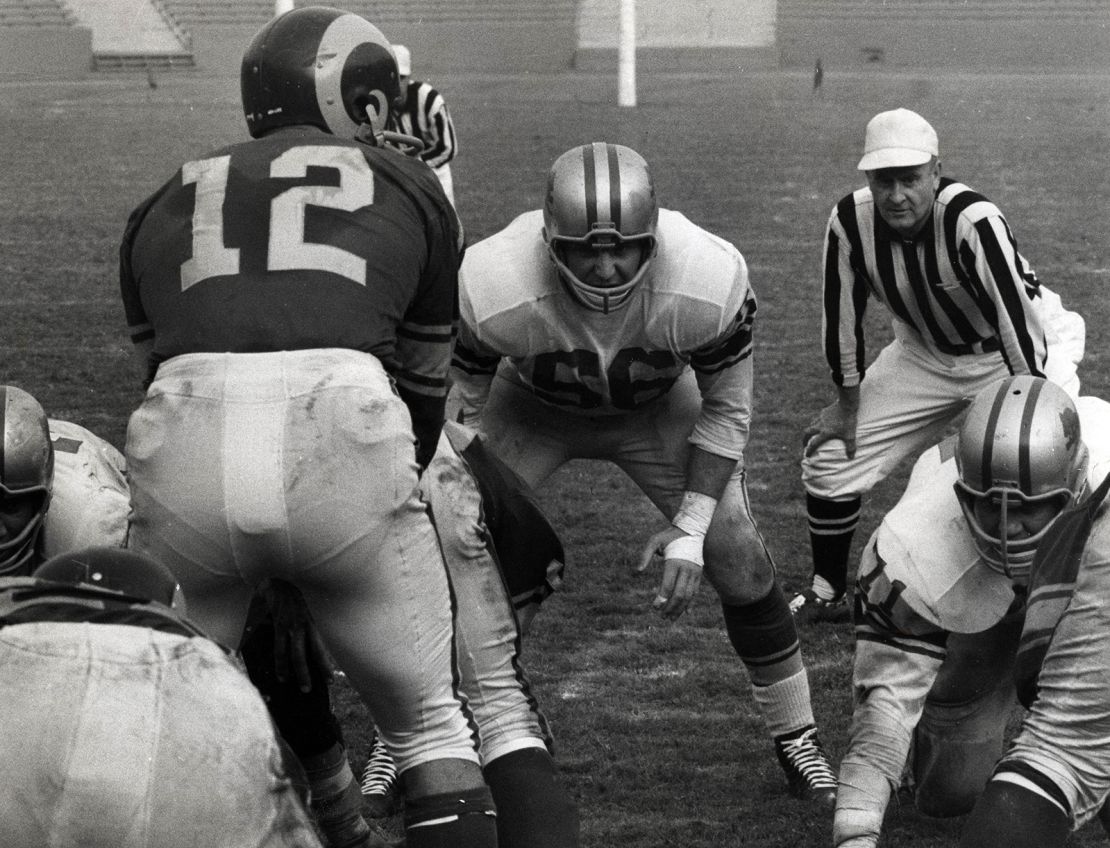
point(287, 249)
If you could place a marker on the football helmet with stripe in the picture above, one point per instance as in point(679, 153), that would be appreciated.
point(115, 571)
point(26, 477)
point(600, 195)
point(1021, 460)
point(320, 66)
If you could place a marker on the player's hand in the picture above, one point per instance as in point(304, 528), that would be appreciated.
point(835, 421)
point(297, 642)
point(681, 578)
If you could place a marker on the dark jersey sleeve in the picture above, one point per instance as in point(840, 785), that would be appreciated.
point(428, 327)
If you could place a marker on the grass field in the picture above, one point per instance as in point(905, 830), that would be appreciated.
point(655, 724)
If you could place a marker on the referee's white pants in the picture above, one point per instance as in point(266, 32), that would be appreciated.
point(911, 396)
point(300, 465)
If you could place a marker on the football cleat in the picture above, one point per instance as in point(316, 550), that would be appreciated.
point(379, 781)
point(809, 774)
point(808, 604)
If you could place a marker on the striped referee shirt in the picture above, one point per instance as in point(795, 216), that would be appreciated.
point(425, 116)
point(960, 283)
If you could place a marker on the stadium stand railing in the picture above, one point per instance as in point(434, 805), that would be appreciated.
point(35, 13)
point(939, 34)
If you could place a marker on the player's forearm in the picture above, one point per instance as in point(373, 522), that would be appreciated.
point(890, 686)
point(708, 473)
point(861, 800)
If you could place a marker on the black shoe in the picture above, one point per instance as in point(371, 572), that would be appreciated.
point(810, 606)
point(808, 772)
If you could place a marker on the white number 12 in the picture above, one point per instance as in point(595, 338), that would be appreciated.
point(287, 249)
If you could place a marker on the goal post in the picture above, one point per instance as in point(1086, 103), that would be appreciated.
point(626, 54)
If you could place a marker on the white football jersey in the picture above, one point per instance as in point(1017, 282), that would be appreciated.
point(693, 307)
point(91, 500)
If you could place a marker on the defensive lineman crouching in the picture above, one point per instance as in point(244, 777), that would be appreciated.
point(941, 597)
point(124, 726)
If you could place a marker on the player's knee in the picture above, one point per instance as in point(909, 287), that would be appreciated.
point(946, 797)
point(1011, 815)
point(950, 774)
point(737, 563)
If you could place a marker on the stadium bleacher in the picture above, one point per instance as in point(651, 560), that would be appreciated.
point(35, 13)
point(524, 35)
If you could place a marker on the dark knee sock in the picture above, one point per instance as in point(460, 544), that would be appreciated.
point(534, 810)
point(764, 636)
point(832, 524)
point(462, 819)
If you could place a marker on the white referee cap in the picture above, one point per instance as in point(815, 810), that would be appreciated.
point(898, 139)
point(404, 60)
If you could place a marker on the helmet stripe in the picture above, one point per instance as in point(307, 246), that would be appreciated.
point(1025, 470)
point(988, 440)
point(589, 176)
point(614, 187)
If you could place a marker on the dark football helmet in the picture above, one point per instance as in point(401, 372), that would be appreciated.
point(320, 66)
point(26, 476)
point(118, 571)
point(599, 194)
point(1019, 446)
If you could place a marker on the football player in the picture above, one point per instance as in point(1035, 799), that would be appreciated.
point(125, 727)
point(62, 487)
point(500, 552)
point(293, 298)
point(626, 335)
point(1055, 776)
point(941, 599)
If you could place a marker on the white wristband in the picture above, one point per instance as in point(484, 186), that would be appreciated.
point(689, 548)
point(695, 513)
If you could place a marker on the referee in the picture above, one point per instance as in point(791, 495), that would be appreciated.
point(966, 309)
point(423, 114)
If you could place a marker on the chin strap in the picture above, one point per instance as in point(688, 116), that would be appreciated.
point(409, 145)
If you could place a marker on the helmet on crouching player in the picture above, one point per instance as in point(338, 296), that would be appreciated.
point(600, 199)
point(26, 477)
point(1021, 461)
point(319, 66)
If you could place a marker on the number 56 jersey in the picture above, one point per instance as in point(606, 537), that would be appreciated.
point(294, 241)
point(694, 308)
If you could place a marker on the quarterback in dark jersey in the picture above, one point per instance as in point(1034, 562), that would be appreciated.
point(293, 299)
